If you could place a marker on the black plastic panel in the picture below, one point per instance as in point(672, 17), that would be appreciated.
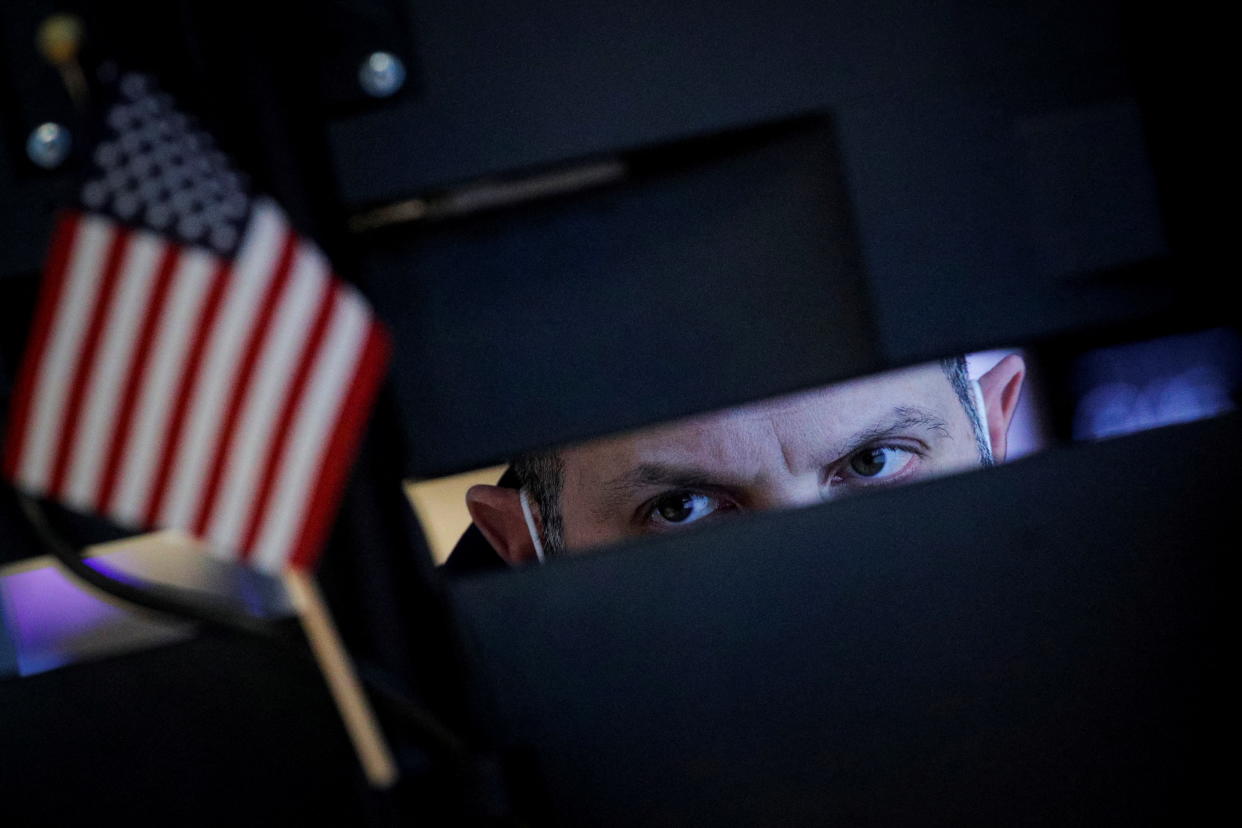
point(720, 279)
point(506, 86)
point(990, 163)
point(1038, 644)
point(202, 733)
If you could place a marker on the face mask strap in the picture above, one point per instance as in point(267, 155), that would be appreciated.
point(530, 524)
point(981, 407)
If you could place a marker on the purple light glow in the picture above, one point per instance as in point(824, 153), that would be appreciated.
point(54, 621)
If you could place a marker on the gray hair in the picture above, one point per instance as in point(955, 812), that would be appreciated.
point(541, 474)
point(959, 377)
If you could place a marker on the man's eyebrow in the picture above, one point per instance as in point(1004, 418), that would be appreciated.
point(659, 474)
point(647, 475)
point(903, 418)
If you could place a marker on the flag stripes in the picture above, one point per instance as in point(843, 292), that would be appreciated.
point(310, 433)
point(167, 386)
point(140, 362)
point(276, 446)
point(226, 333)
point(63, 242)
point(274, 367)
point(354, 400)
point(171, 439)
point(131, 294)
point(51, 385)
point(85, 363)
point(205, 488)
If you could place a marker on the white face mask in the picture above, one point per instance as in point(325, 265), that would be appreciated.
point(530, 524)
point(981, 406)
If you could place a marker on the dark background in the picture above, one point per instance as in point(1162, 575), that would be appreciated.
point(815, 191)
point(980, 177)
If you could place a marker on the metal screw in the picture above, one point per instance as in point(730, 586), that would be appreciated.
point(381, 74)
point(48, 145)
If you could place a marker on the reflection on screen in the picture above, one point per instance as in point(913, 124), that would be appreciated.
point(1143, 385)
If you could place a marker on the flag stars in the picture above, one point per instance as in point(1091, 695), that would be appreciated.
point(191, 226)
point(150, 191)
point(157, 168)
point(223, 236)
point(142, 166)
point(107, 155)
point(125, 205)
point(118, 118)
point(95, 194)
point(183, 201)
point(159, 216)
point(234, 206)
point(132, 142)
point(115, 178)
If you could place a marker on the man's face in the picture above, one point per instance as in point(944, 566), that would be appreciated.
point(792, 451)
point(797, 450)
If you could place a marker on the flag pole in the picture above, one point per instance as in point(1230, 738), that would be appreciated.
point(338, 671)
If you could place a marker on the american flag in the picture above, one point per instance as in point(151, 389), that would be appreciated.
point(193, 363)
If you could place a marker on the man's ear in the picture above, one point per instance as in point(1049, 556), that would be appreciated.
point(1001, 388)
point(497, 511)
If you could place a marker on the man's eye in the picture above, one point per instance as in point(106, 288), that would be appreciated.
point(879, 462)
point(680, 508)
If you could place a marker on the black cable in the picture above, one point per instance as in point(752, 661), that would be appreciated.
point(180, 603)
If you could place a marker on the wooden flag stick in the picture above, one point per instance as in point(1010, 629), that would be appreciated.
point(360, 722)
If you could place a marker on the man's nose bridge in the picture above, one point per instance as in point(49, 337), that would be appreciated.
point(792, 492)
point(789, 482)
